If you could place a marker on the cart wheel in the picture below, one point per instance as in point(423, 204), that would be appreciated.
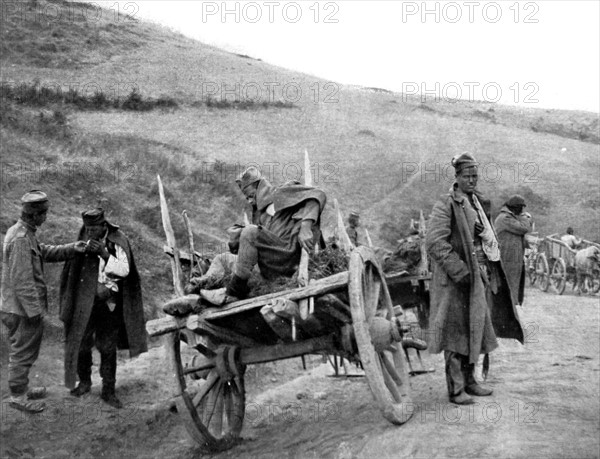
point(542, 272)
point(378, 337)
point(530, 267)
point(211, 401)
point(559, 275)
point(593, 281)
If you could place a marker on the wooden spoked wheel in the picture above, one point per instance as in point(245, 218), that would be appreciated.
point(593, 281)
point(211, 401)
point(377, 335)
point(559, 275)
point(530, 268)
point(542, 272)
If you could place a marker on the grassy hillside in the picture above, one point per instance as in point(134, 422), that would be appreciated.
point(374, 151)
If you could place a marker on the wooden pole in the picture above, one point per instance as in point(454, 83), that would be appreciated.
point(342, 235)
point(303, 268)
point(190, 234)
point(369, 241)
point(166, 220)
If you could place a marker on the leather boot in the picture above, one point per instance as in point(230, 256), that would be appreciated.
point(109, 396)
point(82, 388)
point(472, 386)
point(455, 379)
point(238, 287)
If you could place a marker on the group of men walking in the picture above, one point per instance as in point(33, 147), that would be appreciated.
point(100, 301)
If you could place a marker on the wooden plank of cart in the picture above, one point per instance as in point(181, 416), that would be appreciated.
point(353, 317)
point(349, 314)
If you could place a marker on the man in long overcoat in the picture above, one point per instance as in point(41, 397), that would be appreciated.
point(470, 300)
point(511, 226)
point(101, 304)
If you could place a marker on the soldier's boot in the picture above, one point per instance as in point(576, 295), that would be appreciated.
point(83, 387)
point(238, 287)
point(472, 386)
point(455, 379)
point(109, 396)
point(108, 372)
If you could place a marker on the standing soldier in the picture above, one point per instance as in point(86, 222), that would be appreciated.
point(24, 296)
point(352, 229)
point(470, 304)
point(511, 225)
point(101, 304)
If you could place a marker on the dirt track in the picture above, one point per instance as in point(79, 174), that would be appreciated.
point(545, 404)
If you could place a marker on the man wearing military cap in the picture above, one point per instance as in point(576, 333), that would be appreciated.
point(511, 226)
point(285, 220)
point(352, 228)
point(24, 295)
point(470, 301)
point(101, 305)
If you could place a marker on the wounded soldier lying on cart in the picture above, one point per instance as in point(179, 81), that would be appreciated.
point(285, 220)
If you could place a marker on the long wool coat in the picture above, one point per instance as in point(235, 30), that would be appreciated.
point(78, 285)
point(511, 231)
point(465, 321)
point(277, 242)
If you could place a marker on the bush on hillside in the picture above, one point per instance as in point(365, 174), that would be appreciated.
point(247, 104)
point(36, 95)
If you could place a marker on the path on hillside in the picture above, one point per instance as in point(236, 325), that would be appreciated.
point(545, 405)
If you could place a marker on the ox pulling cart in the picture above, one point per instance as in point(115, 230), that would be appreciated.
point(554, 265)
point(350, 315)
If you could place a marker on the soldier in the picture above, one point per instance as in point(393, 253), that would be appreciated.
point(101, 304)
point(468, 288)
point(352, 228)
point(285, 220)
point(511, 225)
point(24, 296)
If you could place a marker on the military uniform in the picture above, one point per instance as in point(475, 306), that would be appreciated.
point(23, 293)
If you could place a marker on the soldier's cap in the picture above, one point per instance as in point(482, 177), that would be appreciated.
point(462, 161)
point(516, 201)
point(35, 201)
point(93, 217)
point(248, 177)
point(354, 214)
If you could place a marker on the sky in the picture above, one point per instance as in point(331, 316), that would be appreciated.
point(542, 54)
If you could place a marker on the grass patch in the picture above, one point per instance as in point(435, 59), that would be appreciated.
point(247, 104)
point(36, 95)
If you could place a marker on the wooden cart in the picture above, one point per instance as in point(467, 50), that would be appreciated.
point(351, 316)
point(555, 265)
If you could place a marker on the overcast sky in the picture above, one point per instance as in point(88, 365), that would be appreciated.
point(539, 54)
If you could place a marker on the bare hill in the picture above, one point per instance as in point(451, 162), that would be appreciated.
point(109, 102)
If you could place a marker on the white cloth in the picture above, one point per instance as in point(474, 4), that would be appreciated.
point(489, 243)
point(570, 240)
point(110, 271)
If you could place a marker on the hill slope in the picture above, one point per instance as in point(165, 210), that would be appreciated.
point(375, 151)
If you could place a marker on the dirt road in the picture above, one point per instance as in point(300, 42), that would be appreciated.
point(545, 404)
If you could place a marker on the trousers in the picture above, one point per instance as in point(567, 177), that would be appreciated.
point(459, 372)
point(102, 331)
point(25, 338)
